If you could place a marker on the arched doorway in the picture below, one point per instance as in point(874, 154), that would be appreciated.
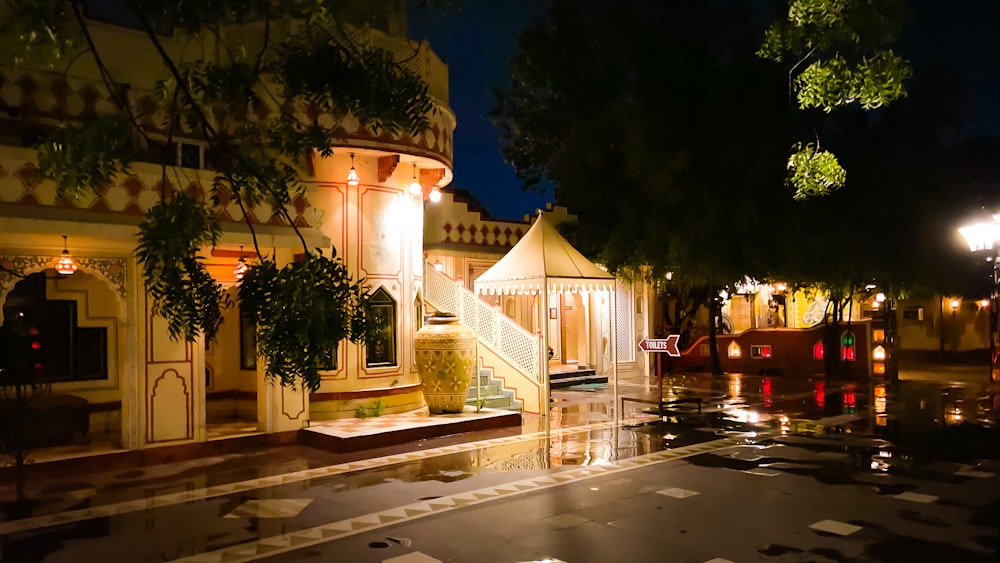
point(71, 332)
point(573, 326)
point(231, 374)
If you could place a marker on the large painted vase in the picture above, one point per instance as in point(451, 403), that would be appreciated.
point(446, 361)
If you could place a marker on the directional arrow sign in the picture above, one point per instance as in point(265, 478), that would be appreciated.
point(668, 345)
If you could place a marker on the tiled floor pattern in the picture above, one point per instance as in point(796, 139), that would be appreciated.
point(677, 493)
point(834, 527)
point(916, 497)
point(270, 508)
point(343, 528)
point(251, 484)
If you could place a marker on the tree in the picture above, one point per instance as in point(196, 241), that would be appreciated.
point(653, 124)
point(257, 108)
point(837, 53)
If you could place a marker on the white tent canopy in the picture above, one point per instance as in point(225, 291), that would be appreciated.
point(543, 262)
point(543, 258)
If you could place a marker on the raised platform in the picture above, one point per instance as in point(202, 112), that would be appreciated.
point(353, 434)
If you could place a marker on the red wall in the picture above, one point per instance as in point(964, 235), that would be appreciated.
point(791, 352)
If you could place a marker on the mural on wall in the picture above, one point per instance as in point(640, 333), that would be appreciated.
point(814, 313)
point(382, 234)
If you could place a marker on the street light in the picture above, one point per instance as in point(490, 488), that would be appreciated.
point(982, 237)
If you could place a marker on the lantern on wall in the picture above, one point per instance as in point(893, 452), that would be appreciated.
point(65, 265)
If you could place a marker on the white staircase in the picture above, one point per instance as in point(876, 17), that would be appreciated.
point(512, 353)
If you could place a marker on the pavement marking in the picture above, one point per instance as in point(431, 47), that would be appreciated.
point(762, 472)
point(834, 527)
point(916, 497)
point(136, 505)
point(270, 508)
point(412, 557)
point(969, 471)
point(677, 493)
point(331, 531)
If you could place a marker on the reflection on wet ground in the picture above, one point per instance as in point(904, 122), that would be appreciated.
point(848, 433)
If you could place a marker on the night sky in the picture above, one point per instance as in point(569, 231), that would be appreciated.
point(478, 38)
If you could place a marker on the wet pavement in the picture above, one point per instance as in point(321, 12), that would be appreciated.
point(772, 468)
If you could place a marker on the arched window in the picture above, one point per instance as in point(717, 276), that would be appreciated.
point(380, 351)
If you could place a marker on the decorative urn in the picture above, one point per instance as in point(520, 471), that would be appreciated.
point(446, 362)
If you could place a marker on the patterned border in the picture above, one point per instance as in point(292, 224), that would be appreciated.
point(332, 531)
point(126, 507)
point(111, 269)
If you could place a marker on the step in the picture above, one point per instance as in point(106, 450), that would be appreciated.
point(575, 377)
point(485, 390)
point(494, 402)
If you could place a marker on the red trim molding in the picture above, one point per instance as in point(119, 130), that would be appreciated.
point(363, 394)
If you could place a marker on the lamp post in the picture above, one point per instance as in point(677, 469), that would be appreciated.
point(982, 237)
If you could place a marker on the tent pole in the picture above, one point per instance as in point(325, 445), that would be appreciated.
point(614, 350)
point(544, 310)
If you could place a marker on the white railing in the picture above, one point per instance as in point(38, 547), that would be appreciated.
point(505, 337)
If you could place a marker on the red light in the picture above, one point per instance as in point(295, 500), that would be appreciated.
point(849, 399)
point(820, 393)
point(818, 350)
point(36, 345)
point(765, 352)
point(847, 353)
point(766, 390)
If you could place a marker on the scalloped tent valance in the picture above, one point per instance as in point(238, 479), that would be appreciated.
point(543, 258)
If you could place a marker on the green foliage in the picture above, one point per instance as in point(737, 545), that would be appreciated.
point(873, 83)
point(651, 162)
point(183, 291)
point(255, 105)
point(364, 81)
point(302, 311)
point(69, 156)
point(366, 412)
point(37, 32)
point(814, 172)
point(838, 55)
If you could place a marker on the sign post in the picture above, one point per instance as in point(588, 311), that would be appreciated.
point(659, 346)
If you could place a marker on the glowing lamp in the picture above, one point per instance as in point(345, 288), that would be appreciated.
point(735, 352)
point(415, 187)
point(878, 353)
point(352, 176)
point(65, 265)
point(981, 235)
point(435, 195)
point(241, 266)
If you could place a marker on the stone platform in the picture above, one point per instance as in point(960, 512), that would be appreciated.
point(354, 434)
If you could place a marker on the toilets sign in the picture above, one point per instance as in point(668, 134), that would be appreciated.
point(668, 345)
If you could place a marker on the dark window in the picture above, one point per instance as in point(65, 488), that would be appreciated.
point(248, 343)
point(380, 351)
point(189, 155)
point(334, 361)
point(62, 350)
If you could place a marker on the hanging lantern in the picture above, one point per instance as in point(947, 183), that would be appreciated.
point(241, 266)
point(415, 187)
point(352, 176)
point(435, 194)
point(65, 265)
